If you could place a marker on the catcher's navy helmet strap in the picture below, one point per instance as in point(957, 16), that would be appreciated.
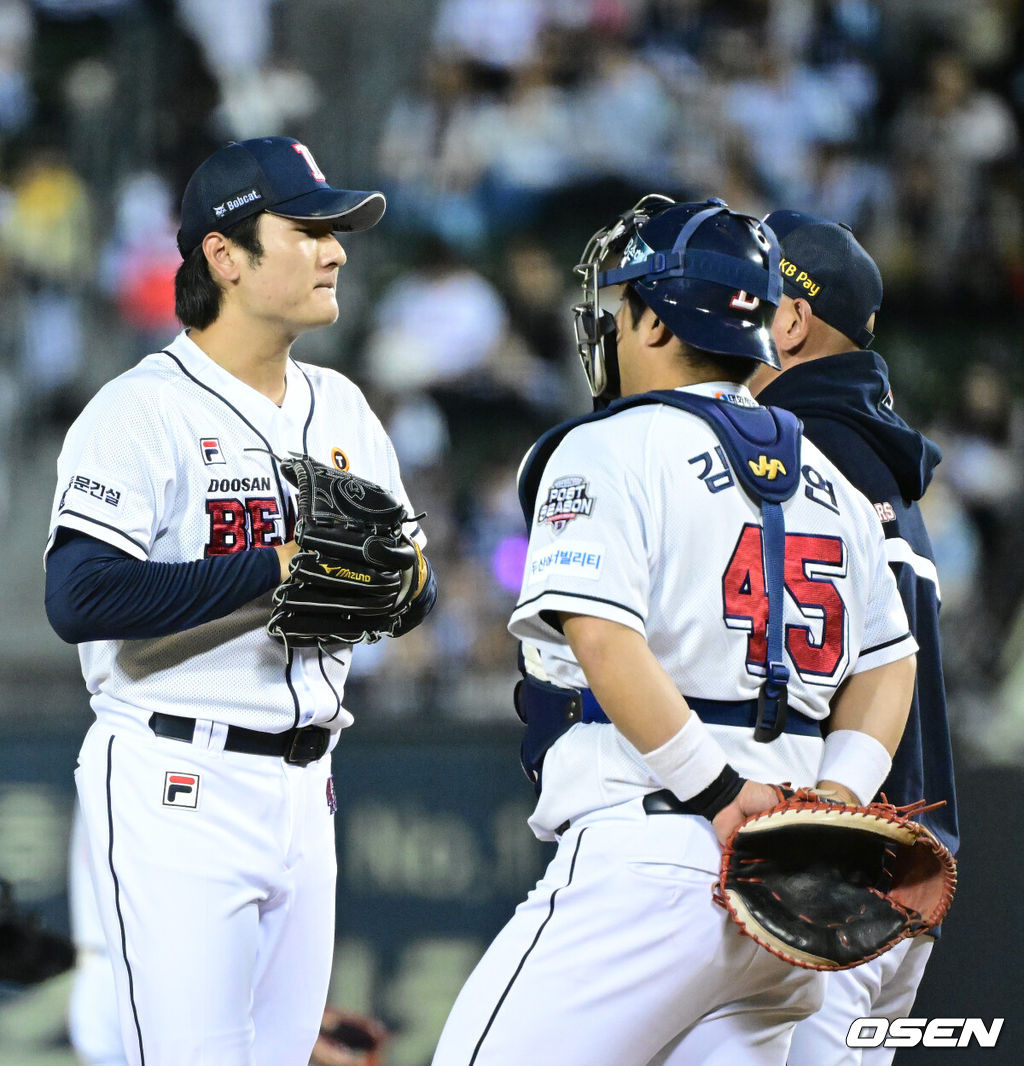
point(702, 265)
point(639, 269)
point(772, 701)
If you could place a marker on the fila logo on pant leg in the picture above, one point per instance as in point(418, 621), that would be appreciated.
point(181, 790)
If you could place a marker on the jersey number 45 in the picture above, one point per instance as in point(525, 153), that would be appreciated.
point(818, 648)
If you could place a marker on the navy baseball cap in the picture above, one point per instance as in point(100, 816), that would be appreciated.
point(275, 174)
point(823, 263)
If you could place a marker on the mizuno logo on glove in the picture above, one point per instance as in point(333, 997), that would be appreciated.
point(343, 571)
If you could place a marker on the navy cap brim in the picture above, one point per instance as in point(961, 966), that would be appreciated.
point(349, 211)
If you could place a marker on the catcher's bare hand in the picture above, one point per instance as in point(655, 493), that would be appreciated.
point(752, 798)
point(835, 791)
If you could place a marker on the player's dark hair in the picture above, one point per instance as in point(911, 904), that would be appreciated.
point(197, 297)
point(636, 306)
point(736, 368)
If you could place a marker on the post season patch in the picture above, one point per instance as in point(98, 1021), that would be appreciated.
point(566, 499)
point(576, 558)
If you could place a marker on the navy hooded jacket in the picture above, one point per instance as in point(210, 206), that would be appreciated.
point(845, 404)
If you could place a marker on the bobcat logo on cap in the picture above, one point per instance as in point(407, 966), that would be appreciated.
point(235, 202)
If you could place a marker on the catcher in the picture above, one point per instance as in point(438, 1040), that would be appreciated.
point(702, 592)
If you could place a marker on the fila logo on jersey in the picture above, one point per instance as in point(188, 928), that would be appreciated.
point(566, 499)
point(181, 790)
point(765, 467)
point(212, 455)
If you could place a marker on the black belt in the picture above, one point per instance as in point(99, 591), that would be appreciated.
point(663, 802)
point(297, 746)
point(666, 802)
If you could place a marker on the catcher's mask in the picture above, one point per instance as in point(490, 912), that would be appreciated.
point(710, 274)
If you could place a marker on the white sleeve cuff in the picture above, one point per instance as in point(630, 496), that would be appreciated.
point(689, 761)
point(855, 760)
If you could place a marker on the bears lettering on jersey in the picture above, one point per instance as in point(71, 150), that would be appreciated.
point(239, 524)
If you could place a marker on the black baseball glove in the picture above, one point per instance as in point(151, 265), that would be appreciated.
point(356, 571)
point(828, 885)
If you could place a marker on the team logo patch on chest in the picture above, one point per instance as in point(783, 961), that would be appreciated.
point(567, 499)
point(181, 789)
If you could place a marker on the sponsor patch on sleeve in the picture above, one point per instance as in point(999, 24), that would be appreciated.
point(82, 483)
point(576, 559)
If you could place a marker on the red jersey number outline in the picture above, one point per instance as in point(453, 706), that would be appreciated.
point(817, 650)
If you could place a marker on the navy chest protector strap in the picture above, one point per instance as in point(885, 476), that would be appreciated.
point(763, 448)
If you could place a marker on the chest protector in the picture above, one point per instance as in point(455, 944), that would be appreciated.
point(763, 448)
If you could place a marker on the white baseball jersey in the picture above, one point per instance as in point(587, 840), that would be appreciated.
point(619, 954)
point(172, 462)
point(640, 520)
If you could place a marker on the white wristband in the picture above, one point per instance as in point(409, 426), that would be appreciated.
point(689, 761)
point(855, 760)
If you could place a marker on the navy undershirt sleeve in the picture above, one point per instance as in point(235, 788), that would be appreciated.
point(95, 591)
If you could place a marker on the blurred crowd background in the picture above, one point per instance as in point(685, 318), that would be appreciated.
point(503, 132)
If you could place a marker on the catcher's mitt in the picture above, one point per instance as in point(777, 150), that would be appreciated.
point(828, 885)
point(356, 571)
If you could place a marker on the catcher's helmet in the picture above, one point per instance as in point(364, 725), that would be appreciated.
point(710, 274)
